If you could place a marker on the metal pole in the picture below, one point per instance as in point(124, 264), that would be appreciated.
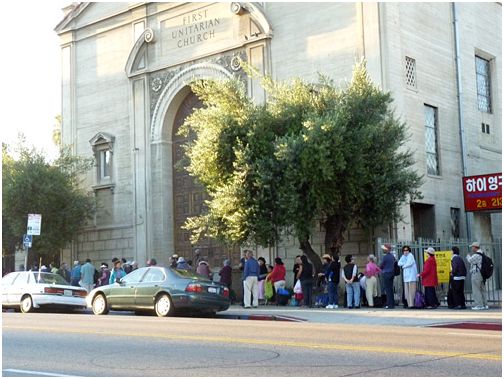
point(26, 258)
point(459, 102)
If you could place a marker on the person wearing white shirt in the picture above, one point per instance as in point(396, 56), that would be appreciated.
point(408, 264)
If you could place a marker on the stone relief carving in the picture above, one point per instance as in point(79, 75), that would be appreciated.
point(230, 61)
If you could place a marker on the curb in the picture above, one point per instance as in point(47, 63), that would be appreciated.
point(258, 317)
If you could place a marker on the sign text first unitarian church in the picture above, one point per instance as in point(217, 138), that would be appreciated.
point(196, 27)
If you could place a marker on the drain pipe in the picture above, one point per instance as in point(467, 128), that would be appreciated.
point(459, 103)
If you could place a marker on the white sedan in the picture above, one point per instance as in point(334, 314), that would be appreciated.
point(26, 290)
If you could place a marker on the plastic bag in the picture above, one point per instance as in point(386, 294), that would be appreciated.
point(297, 287)
point(268, 289)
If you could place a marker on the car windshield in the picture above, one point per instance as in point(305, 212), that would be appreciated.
point(47, 278)
point(189, 275)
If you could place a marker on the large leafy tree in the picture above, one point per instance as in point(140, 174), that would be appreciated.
point(312, 153)
point(30, 184)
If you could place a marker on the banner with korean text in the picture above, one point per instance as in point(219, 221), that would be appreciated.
point(483, 192)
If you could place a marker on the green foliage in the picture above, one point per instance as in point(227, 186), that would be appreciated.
point(311, 152)
point(32, 185)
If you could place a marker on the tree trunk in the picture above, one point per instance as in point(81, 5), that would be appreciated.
point(334, 229)
point(314, 258)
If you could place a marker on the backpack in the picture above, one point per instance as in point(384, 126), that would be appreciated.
point(487, 266)
point(397, 269)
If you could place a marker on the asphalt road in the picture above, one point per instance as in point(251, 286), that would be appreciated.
point(56, 344)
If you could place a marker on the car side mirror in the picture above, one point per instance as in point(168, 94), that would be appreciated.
point(119, 280)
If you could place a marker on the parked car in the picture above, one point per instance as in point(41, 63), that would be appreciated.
point(27, 290)
point(160, 289)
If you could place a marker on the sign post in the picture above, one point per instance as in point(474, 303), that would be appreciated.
point(32, 229)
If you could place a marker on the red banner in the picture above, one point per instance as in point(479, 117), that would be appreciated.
point(482, 192)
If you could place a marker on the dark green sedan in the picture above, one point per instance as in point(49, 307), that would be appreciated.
point(162, 290)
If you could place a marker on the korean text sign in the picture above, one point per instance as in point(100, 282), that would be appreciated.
point(482, 192)
point(443, 263)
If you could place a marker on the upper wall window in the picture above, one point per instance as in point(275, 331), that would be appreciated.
point(411, 73)
point(431, 141)
point(483, 84)
point(103, 148)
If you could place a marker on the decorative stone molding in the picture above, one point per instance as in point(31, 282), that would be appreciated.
point(102, 141)
point(231, 62)
point(237, 8)
point(137, 52)
point(175, 85)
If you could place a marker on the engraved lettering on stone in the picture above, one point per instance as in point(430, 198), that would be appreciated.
point(196, 27)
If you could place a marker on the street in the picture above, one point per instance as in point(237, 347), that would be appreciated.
point(123, 344)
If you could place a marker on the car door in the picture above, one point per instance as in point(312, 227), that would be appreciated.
point(18, 288)
point(149, 286)
point(122, 295)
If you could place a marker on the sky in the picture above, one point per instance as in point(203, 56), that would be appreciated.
point(31, 72)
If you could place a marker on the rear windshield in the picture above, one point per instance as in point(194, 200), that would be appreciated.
point(47, 278)
point(190, 275)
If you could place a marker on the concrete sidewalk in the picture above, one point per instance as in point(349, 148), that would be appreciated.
point(369, 316)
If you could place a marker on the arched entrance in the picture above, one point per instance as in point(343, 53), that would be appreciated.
point(189, 196)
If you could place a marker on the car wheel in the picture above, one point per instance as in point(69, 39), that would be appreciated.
point(100, 306)
point(26, 304)
point(163, 306)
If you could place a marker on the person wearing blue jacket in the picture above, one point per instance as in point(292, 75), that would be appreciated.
point(251, 272)
point(387, 267)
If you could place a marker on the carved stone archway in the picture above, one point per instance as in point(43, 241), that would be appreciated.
point(161, 155)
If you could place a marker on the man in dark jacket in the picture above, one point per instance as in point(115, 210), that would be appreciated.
point(456, 298)
point(387, 267)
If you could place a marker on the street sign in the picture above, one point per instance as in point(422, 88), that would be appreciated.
point(27, 240)
point(34, 224)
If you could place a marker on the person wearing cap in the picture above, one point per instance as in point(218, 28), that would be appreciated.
point(430, 279)
point(371, 273)
point(203, 269)
point(105, 275)
point(387, 267)
point(410, 272)
point(475, 259)
point(134, 265)
point(332, 276)
point(456, 298)
point(182, 264)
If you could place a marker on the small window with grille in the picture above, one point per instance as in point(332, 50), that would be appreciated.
point(431, 140)
point(483, 85)
point(411, 80)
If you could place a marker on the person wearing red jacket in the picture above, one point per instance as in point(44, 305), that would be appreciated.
point(430, 279)
point(277, 276)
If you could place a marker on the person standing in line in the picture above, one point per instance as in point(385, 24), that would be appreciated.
point(203, 269)
point(371, 272)
point(182, 264)
point(297, 265)
point(430, 279)
point(477, 282)
point(87, 275)
point(75, 275)
point(226, 278)
point(457, 278)
point(251, 273)
point(277, 275)
point(263, 272)
point(105, 275)
point(410, 272)
point(387, 267)
point(117, 272)
point(150, 262)
point(332, 277)
point(305, 275)
point(349, 274)
point(63, 271)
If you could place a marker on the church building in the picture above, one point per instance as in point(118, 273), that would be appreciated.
point(126, 68)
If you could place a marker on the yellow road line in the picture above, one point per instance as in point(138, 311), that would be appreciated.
point(253, 341)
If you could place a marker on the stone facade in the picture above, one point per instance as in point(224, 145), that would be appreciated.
point(126, 67)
